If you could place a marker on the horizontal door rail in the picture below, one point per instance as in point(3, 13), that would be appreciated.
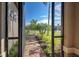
point(58, 36)
point(12, 38)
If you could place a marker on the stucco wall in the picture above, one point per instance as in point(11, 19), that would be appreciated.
point(71, 28)
point(77, 26)
point(3, 30)
point(69, 24)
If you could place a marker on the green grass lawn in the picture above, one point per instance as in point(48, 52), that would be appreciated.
point(57, 33)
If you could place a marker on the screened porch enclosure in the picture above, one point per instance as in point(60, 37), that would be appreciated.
point(34, 29)
point(39, 29)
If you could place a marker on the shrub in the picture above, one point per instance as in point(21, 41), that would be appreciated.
point(14, 50)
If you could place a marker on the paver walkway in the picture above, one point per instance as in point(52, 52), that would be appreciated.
point(33, 48)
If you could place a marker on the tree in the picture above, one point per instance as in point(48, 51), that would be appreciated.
point(31, 27)
point(33, 24)
point(42, 28)
point(49, 8)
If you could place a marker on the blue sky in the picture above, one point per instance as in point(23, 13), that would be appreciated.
point(39, 12)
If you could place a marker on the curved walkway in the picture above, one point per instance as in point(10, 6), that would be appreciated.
point(32, 48)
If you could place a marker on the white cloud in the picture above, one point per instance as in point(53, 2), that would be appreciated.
point(27, 23)
point(58, 10)
point(58, 7)
point(44, 21)
point(43, 16)
point(57, 18)
point(58, 14)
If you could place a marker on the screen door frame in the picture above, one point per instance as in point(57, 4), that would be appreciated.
point(19, 29)
point(62, 28)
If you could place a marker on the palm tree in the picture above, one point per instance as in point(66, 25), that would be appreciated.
point(49, 7)
point(33, 24)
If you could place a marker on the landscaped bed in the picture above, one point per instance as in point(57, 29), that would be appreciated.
point(46, 39)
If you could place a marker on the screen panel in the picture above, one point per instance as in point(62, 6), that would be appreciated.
point(12, 24)
point(58, 37)
point(57, 19)
point(37, 29)
point(12, 20)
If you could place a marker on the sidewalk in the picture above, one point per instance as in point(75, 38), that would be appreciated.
point(33, 48)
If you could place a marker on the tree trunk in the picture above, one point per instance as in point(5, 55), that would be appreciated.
point(48, 18)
